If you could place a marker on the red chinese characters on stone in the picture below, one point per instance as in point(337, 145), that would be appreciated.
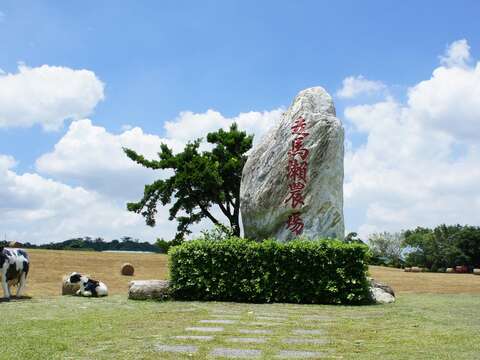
point(299, 126)
point(296, 196)
point(297, 170)
point(295, 223)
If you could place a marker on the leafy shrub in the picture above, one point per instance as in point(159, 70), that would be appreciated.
point(321, 271)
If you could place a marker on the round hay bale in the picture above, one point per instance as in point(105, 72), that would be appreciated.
point(450, 270)
point(476, 271)
point(416, 269)
point(67, 288)
point(408, 269)
point(127, 269)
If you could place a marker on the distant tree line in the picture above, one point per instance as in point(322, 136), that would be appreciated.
point(434, 249)
point(125, 243)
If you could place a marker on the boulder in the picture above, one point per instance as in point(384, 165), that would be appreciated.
point(127, 269)
point(450, 270)
point(381, 293)
point(292, 182)
point(407, 269)
point(416, 269)
point(149, 289)
point(476, 271)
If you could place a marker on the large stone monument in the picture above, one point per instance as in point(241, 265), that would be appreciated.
point(292, 183)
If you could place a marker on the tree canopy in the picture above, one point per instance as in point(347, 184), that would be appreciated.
point(200, 181)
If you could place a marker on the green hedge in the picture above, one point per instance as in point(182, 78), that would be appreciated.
point(316, 272)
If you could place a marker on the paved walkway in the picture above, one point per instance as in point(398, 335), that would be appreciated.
point(306, 339)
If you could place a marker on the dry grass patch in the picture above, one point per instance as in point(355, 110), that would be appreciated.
point(435, 283)
point(47, 267)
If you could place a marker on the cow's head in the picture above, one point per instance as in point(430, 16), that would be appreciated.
point(75, 278)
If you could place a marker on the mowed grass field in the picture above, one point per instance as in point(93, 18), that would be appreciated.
point(436, 316)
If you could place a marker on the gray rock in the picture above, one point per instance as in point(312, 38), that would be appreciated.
point(149, 289)
point(295, 354)
point(177, 348)
point(204, 329)
point(265, 192)
point(381, 293)
point(236, 353)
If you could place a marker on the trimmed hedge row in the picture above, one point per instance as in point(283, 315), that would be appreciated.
point(300, 271)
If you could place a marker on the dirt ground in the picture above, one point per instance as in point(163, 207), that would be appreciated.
point(49, 266)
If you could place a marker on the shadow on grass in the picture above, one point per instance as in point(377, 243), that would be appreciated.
point(14, 298)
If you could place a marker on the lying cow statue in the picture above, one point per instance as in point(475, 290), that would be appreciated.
point(88, 287)
point(14, 265)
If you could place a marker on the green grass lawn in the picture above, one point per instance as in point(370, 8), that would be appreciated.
point(417, 326)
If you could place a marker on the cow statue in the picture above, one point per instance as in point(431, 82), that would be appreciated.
point(88, 286)
point(14, 266)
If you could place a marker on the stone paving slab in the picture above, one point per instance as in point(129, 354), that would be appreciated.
point(308, 332)
point(254, 331)
point(299, 340)
point(295, 354)
point(235, 316)
point(260, 323)
point(204, 329)
point(317, 318)
point(195, 337)
point(236, 353)
point(218, 321)
point(177, 348)
point(248, 340)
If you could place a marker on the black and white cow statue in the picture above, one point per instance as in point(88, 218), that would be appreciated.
point(14, 266)
point(88, 287)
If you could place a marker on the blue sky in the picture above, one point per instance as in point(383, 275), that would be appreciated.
point(157, 59)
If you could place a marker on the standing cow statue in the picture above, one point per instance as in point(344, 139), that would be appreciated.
point(14, 265)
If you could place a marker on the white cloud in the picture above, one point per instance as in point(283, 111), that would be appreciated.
point(37, 209)
point(188, 126)
point(420, 164)
point(354, 86)
point(47, 95)
point(91, 157)
point(457, 54)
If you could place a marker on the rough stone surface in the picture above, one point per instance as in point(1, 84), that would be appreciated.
point(295, 354)
point(204, 329)
point(264, 187)
point(177, 348)
point(194, 337)
point(304, 341)
point(148, 289)
point(381, 293)
point(236, 353)
point(248, 340)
